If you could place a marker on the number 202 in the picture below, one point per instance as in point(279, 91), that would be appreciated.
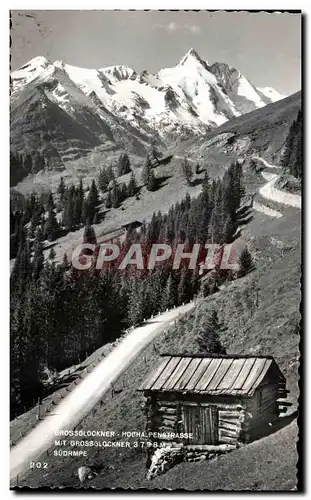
point(38, 465)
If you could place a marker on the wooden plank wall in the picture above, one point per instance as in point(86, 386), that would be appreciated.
point(224, 424)
point(162, 416)
point(262, 408)
point(230, 425)
point(201, 422)
point(211, 423)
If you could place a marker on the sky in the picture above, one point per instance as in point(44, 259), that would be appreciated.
point(266, 48)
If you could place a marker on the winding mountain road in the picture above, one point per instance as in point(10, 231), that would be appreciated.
point(84, 397)
point(266, 210)
point(270, 192)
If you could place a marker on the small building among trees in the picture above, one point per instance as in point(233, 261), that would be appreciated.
point(131, 226)
point(218, 399)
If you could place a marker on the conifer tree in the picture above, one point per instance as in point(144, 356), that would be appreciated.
point(229, 230)
point(238, 187)
point(16, 355)
point(186, 170)
point(69, 215)
point(155, 289)
point(97, 218)
point(22, 271)
point(12, 221)
point(170, 294)
point(110, 173)
point(132, 186)
point(124, 165)
point(123, 192)
point(92, 202)
point(38, 258)
point(152, 182)
point(50, 203)
point(65, 263)
point(195, 281)
point(103, 179)
point(109, 199)
point(90, 205)
point(287, 153)
point(89, 235)
point(216, 224)
point(208, 334)
point(146, 171)
point(52, 254)
point(85, 218)
point(93, 194)
point(115, 194)
point(36, 219)
point(61, 188)
point(135, 302)
point(78, 204)
point(184, 286)
point(292, 155)
point(51, 226)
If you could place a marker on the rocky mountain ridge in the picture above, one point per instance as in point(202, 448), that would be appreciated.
point(64, 112)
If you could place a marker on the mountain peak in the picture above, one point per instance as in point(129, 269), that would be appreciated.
point(37, 68)
point(191, 55)
point(189, 98)
point(59, 64)
point(119, 72)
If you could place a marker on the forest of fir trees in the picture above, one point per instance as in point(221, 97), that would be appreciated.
point(291, 160)
point(59, 315)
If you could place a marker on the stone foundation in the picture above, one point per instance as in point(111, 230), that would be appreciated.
point(164, 459)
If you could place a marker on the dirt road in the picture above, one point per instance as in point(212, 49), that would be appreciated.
point(270, 192)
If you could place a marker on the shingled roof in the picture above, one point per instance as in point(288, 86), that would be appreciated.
point(213, 375)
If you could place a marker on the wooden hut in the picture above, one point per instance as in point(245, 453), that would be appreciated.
point(133, 225)
point(216, 400)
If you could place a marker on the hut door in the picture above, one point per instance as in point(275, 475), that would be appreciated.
point(202, 422)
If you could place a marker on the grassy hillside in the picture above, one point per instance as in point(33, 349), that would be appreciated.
point(173, 188)
point(268, 464)
point(262, 131)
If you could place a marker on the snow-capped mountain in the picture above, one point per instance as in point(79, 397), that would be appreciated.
point(117, 105)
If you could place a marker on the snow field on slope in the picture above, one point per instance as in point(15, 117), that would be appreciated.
point(88, 80)
point(245, 89)
point(271, 93)
point(195, 81)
